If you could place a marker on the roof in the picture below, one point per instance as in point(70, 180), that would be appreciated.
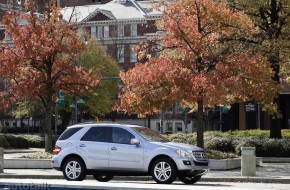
point(114, 10)
point(102, 123)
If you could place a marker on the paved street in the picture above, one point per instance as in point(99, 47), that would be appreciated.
point(140, 185)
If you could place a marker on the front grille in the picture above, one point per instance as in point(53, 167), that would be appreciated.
point(200, 156)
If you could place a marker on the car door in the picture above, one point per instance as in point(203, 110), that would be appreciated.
point(94, 147)
point(124, 156)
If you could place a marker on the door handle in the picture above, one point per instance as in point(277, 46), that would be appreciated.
point(114, 148)
point(82, 145)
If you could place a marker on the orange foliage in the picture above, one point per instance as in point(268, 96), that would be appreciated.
point(42, 59)
point(198, 63)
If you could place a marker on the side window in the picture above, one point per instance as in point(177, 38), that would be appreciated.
point(121, 136)
point(96, 134)
point(68, 133)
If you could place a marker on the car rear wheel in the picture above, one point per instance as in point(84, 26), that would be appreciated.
point(164, 171)
point(74, 169)
point(189, 179)
point(103, 178)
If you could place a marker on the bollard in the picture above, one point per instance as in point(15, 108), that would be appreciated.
point(1, 160)
point(248, 161)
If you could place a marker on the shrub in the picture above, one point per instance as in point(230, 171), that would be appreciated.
point(267, 147)
point(21, 141)
point(3, 142)
point(222, 144)
point(215, 154)
point(17, 141)
point(34, 141)
point(183, 138)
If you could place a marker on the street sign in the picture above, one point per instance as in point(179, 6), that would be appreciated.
point(250, 107)
point(60, 96)
point(80, 101)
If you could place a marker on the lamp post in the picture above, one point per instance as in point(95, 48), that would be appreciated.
point(75, 110)
point(75, 97)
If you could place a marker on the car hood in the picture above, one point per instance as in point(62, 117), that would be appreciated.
point(181, 146)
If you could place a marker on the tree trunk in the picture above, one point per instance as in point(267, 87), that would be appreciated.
point(48, 127)
point(200, 130)
point(275, 124)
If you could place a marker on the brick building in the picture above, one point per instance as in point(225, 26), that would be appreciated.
point(119, 25)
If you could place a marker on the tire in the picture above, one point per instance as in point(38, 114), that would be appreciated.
point(74, 169)
point(103, 178)
point(164, 171)
point(189, 179)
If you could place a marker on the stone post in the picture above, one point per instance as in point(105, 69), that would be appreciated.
point(248, 161)
point(1, 160)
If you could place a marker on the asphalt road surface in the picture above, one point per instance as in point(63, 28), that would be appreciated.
point(30, 184)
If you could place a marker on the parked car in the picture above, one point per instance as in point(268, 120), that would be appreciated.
point(108, 149)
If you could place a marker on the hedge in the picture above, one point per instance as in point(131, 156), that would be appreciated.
point(232, 141)
point(21, 141)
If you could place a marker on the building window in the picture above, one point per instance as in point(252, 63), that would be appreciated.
point(178, 126)
point(120, 55)
point(121, 30)
point(100, 31)
point(133, 54)
point(7, 36)
point(94, 31)
point(106, 31)
point(133, 29)
point(169, 127)
point(158, 127)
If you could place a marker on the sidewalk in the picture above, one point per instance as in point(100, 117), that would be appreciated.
point(267, 173)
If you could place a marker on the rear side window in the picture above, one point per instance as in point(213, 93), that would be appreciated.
point(96, 134)
point(68, 133)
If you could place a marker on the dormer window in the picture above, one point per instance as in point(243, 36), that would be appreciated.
point(133, 29)
point(121, 30)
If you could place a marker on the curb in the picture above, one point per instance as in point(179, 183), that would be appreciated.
point(148, 178)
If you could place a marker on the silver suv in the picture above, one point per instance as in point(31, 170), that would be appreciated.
point(107, 149)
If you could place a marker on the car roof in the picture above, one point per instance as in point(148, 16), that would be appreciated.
point(101, 124)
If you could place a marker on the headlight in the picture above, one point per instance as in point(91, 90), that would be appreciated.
point(182, 153)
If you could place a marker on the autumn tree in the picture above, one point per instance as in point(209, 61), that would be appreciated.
point(199, 66)
point(42, 60)
point(273, 20)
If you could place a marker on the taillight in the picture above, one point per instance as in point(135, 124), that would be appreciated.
point(56, 150)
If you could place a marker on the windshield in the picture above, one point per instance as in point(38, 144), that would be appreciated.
point(150, 135)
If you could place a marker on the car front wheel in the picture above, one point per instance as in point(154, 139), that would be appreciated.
point(103, 178)
point(74, 169)
point(189, 179)
point(164, 171)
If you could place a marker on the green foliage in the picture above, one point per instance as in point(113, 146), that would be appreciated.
point(34, 141)
point(38, 155)
point(183, 138)
point(101, 100)
point(16, 141)
point(261, 134)
point(3, 142)
point(21, 141)
point(222, 144)
point(215, 154)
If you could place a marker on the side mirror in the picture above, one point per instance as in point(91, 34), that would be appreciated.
point(135, 142)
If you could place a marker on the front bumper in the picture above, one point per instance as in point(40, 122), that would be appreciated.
point(191, 166)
